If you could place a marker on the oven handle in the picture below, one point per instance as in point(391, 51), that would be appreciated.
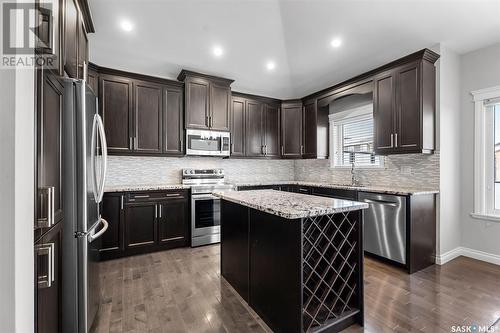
point(204, 196)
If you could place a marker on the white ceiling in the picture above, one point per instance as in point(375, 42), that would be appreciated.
point(170, 35)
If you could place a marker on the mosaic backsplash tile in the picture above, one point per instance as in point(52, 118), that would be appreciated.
point(424, 172)
point(132, 170)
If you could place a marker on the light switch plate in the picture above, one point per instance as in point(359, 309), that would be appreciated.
point(406, 170)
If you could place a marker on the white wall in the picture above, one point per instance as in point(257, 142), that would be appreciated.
point(16, 204)
point(448, 138)
point(479, 69)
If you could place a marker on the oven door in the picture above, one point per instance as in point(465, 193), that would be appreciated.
point(207, 143)
point(205, 215)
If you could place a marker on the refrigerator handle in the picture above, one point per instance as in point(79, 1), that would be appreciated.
point(93, 159)
point(93, 236)
point(104, 148)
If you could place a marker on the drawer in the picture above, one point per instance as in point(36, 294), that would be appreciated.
point(148, 196)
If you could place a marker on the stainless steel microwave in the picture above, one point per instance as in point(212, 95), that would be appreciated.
point(207, 143)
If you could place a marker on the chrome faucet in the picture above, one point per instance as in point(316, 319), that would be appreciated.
point(354, 179)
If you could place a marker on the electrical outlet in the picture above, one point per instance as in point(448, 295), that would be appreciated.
point(406, 170)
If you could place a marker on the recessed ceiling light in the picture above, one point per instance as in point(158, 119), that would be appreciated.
point(336, 42)
point(218, 51)
point(126, 25)
point(270, 65)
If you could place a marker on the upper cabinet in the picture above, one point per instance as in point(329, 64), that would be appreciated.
point(76, 27)
point(291, 129)
point(207, 101)
point(142, 115)
point(404, 107)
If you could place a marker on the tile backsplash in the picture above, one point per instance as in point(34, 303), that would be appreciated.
point(409, 170)
point(128, 170)
point(132, 170)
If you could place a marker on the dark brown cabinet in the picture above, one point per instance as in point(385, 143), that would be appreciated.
point(310, 129)
point(148, 128)
point(75, 41)
point(112, 210)
point(271, 130)
point(93, 79)
point(141, 116)
point(254, 129)
point(207, 101)
point(49, 177)
point(238, 127)
point(291, 129)
point(116, 107)
point(142, 222)
point(404, 108)
point(140, 225)
point(172, 227)
point(173, 124)
point(48, 287)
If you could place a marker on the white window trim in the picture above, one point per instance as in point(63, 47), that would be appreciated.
point(483, 192)
point(337, 119)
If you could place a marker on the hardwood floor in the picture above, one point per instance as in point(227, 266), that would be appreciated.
point(181, 291)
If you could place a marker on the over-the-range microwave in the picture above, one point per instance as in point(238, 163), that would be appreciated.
point(207, 143)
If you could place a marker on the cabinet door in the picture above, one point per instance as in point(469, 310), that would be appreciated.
point(49, 207)
point(112, 211)
point(197, 110)
point(272, 130)
point(71, 38)
point(291, 130)
point(173, 121)
point(408, 108)
point(254, 131)
point(173, 222)
point(383, 112)
point(83, 42)
point(116, 103)
point(140, 225)
point(147, 117)
point(47, 280)
point(309, 125)
point(238, 127)
point(93, 81)
point(220, 100)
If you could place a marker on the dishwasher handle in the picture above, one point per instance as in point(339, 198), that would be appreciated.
point(381, 202)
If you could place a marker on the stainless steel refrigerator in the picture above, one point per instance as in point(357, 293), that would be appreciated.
point(84, 170)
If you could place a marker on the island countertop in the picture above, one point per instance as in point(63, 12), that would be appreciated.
point(290, 205)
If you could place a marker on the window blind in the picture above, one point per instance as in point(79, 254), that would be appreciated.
point(357, 142)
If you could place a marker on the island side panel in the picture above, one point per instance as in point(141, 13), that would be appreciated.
point(276, 270)
point(234, 249)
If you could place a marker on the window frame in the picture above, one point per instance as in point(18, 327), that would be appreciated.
point(484, 171)
point(340, 118)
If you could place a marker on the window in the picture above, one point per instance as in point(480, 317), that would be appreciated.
point(487, 154)
point(351, 134)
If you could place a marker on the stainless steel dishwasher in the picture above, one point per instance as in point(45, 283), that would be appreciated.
point(385, 225)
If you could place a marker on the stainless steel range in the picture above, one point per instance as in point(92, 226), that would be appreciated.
point(205, 207)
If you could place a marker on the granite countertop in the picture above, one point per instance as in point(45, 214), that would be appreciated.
point(366, 188)
point(144, 187)
point(290, 205)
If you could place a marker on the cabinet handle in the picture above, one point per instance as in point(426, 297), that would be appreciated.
point(47, 219)
point(302, 150)
point(392, 140)
point(156, 212)
point(159, 207)
point(282, 150)
point(131, 143)
point(144, 196)
point(396, 139)
point(207, 120)
point(121, 202)
point(173, 194)
point(46, 280)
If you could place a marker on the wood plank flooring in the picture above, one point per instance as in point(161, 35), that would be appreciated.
point(181, 291)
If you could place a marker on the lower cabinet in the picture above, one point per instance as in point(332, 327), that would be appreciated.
point(48, 287)
point(142, 222)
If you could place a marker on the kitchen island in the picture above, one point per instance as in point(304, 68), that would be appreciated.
point(296, 259)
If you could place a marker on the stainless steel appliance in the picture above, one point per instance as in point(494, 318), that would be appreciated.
point(385, 225)
point(205, 207)
point(84, 169)
point(207, 143)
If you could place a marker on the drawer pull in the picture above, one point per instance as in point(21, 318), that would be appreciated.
point(46, 278)
point(145, 196)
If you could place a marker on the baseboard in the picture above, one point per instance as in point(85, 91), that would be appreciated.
point(470, 253)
